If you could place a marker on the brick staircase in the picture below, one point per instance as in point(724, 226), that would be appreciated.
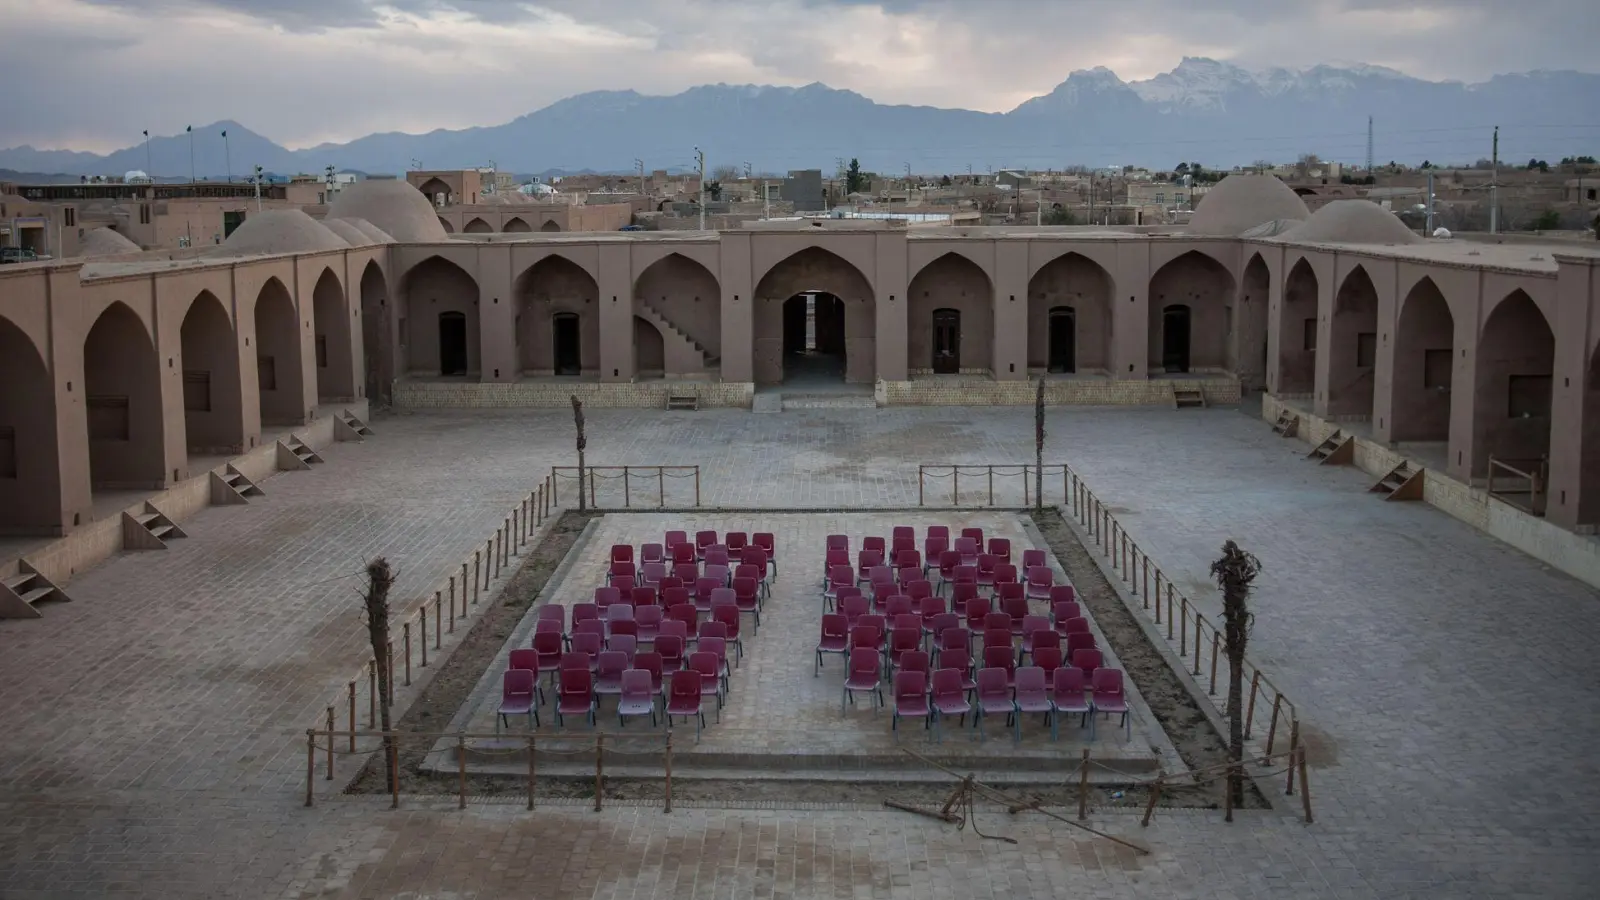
point(1187, 397)
point(1288, 424)
point(232, 487)
point(670, 331)
point(1339, 449)
point(295, 455)
point(348, 427)
point(22, 592)
point(1402, 483)
point(149, 530)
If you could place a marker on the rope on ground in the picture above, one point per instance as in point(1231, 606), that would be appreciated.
point(968, 814)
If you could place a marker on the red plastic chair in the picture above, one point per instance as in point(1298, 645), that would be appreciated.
point(1000, 548)
point(736, 541)
point(1064, 611)
point(682, 553)
point(1079, 640)
point(915, 661)
point(1076, 625)
point(875, 543)
point(947, 562)
point(853, 608)
point(621, 553)
point(1017, 609)
point(897, 605)
point(961, 593)
point(625, 628)
point(603, 598)
point(939, 531)
point(994, 695)
point(953, 638)
point(648, 619)
point(948, 698)
point(1063, 593)
point(977, 610)
point(975, 533)
point(584, 611)
point(676, 596)
point(1067, 697)
point(624, 583)
point(670, 649)
point(1108, 698)
point(548, 646)
point(717, 555)
point(757, 559)
point(636, 696)
point(626, 643)
point(702, 540)
point(670, 582)
point(718, 647)
point(675, 628)
point(766, 541)
point(575, 695)
point(608, 670)
point(702, 591)
point(728, 615)
point(652, 553)
point(651, 573)
point(1087, 659)
point(650, 662)
point(1040, 581)
point(747, 598)
point(1009, 595)
point(1004, 573)
point(683, 700)
point(908, 562)
point(931, 609)
point(866, 637)
point(959, 659)
point(705, 666)
point(933, 550)
point(918, 591)
point(518, 688)
point(1048, 658)
point(900, 550)
point(998, 620)
point(835, 638)
point(622, 568)
point(902, 641)
point(1044, 638)
point(967, 549)
point(866, 561)
point(674, 538)
point(865, 676)
point(839, 577)
point(986, 564)
point(999, 657)
point(910, 700)
point(1032, 695)
point(585, 645)
point(1031, 558)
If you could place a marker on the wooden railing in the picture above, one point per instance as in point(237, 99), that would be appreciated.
point(984, 474)
point(644, 477)
point(1531, 474)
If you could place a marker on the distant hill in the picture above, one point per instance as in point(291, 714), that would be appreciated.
point(1203, 110)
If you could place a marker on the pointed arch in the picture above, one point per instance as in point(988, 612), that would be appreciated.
point(516, 225)
point(377, 332)
point(280, 369)
point(552, 287)
point(437, 192)
point(1076, 288)
point(1353, 346)
point(30, 469)
point(445, 224)
point(122, 390)
point(213, 417)
point(685, 294)
point(1297, 332)
point(1189, 313)
point(1513, 384)
point(335, 362)
point(477, 226)
point(951, 282)
point(550, 225)
point(1424, 360)
point(1248, 343)
point(852, 321)
point(439, 333)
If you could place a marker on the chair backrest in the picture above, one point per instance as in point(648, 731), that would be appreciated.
point(649, 553)
point(623, 583)
point(575, 682)
point(649, 616)
point(835, 542)
point(953, 637)
point(623, 567)
point(909, 558)
point(625, 643)
point(669, 646)
point(977, 608)
point(865, 661)
point(867, 560)
point(547, 643)
point(909, 687)
point(1107, 682)
point(993, 682)
point(903, 531)
point(997, 621)
point(711, 630)
point(1040, 576)
point(685, 688)
point(1087, 659)
point(899, 546)
point(582, 611)
point(623, 628)
point(955, 658)
point(643, 595)
point(651, 573)
point(553, 611)
point(524, 658)
point(675, 628)
point(705, 538)
point(1069, 680)
point(1005, 573)
point(1030, 680)
point(1032, 623)
point(942, 531)
point(948, 560)
point(835, 625)
point(681, 554)
point(1015, 607)
point(621, 553)
point(918, 589)
point(874, 543)
point(855, 607)
point(934, 547)
point(675, 596)
point(747, 570)
point(703, 588)
point(1064, 611)
point(1000, 548)
point(966, 572)
point(841, 575)
point(997, 637)
point(1063, 593)
point(736, 541)
point(1006, 591)
point(841, 594)
point(975, 533)
point(946, 683)
point(882, 591)
point(723, 596)
point(904, 639)
point(517, 683)
point(967, 548)
point(1045, 637)
point(674, 538)
point(712, 644)
point(1031, 558)
point(611, 663)
point(744, 588)
point(907, 620)
point(865, 636)
point(1076, 625)
point(586, 644)
point(986, 563)
point(670, 582)
point(590, 626)
point(766, 541)
point(706, 663)
point(998, 658)
point(649, 662)
point(933, 612)
point(1047, 658)
point(727, 614)
point(880, 575)
point(897, 605)
point(717, 556)
point(755, 556)
point(1079, 640)
point(914, 661)
point(637, 684)
point(719, 571)
point(548, 625)
point(876, 621)
point(618, 612)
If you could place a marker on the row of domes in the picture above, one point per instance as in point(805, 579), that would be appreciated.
point(1263, 206)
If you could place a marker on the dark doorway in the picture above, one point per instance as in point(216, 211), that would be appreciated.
point(946, 341)
point(813, 337)
point(1175, 338)
point(452, 343)
point(231, 219)
point(1063, 354)
point(568, 355)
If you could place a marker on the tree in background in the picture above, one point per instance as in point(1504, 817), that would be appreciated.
point(854, 181)
point(726, 173)
point(583, 444)
point(944, 181)
point(714, 190)
point(380, 578)
point(1056, 215)
point(1549, 220)
point(1234, 572)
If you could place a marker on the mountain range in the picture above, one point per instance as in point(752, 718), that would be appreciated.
point(1203, 111)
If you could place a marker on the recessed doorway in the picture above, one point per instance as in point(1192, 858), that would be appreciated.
point(1063, 352)
point(1175, 338)
point(452, 343)
point(568, 351)
point(946, 341)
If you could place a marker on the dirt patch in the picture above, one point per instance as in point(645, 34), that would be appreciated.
point(1192, 734)
point(455, 680)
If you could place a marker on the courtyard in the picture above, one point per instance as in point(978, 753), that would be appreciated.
point(154, 727)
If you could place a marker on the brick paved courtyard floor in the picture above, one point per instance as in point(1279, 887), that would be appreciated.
point(153, 728)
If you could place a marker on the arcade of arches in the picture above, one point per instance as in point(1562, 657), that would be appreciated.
point(950, 318)
point(1070, 317)
point(1190, 315)
point(557, 328)
point(845, 323)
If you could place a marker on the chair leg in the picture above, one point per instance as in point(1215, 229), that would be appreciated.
point(817, 669)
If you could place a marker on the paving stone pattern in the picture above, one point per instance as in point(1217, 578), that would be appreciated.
point(153, 728)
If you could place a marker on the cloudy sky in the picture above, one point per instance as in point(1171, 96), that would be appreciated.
point(91, 74)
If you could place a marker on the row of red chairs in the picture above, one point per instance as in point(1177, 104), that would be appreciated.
point(671, 549)
point(1034, 690)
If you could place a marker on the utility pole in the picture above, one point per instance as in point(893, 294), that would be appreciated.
point(190, 129)
point(1369, 145)
point(149, 166)
point(258, 188)
point(1428, 229)
point(1038, 209)
point(227, 158)
point(766, 200)
point(701, 156)
point(1494, 185)
point(329, 192)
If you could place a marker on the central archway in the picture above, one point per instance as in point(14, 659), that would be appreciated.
point(819, 293)
point(557, 320)
point(122, 393)
point(1424, 359)
point(212, 419)
point(1069, 317)
point(1297, 333)
point(1353, 350)
point(377, 334)
point(1189, 315)
point(30, 471)
point(279, 373)
point(336, 376)
point(439, 332)
point(950, 306)
point(516, 225)
point(477, 226)
point(1516, 364)
point(1248, 345)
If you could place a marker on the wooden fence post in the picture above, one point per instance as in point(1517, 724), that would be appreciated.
point(1183, 627)
point(991, 487)
point(1305, 787)
point(1155, 794)
point(533, 774)
point(1083, 786)
point(423, 612)
point(599, 770)
point(697, 486)
point(668, 807)
point(1250, 707)
point(461, 771)
point(921, 498)
point(955, 485)
point(372, 694)
point(394, 776)
point(626, 501)
point(1294, 748)
point(1197, 621)
point(661, 486)
point(330, 743)
point(352, 691)
point(311, 764)
point(405, 631)
point(1216, 638)
point(438, 621)
point(1272, 723)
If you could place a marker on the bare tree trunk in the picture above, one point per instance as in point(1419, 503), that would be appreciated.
point(583, 443)
point(1234, 573)
point(1038, 447)
point(380, 578)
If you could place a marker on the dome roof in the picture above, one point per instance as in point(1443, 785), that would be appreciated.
point(1353, 222)
point(392, 205)
point(279, 231)
point(105, 242)
point(1239, 203)
point(373, 233)
point(352, 235)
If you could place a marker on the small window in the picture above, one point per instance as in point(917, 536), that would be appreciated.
point(144, 214)
point(1591, 193)
point(197, 391)
point(70, 216)
point(1529, 396)
point(1436, 367)
point(322, 351)
point(1366, 350)
point(267, 373)
point(1309, 335)
point(108, 418)
point(8, 452)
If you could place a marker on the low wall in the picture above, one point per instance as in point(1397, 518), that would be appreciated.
point(1574, 554)
point(101, 538)
point(545, 395)
point(982, 391)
